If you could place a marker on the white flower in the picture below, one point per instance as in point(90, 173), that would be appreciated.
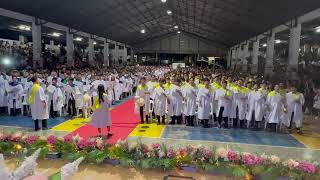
point(161, 154)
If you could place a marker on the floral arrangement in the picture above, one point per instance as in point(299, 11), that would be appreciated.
point(160, 156)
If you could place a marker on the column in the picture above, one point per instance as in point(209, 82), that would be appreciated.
point(70, 49)
point(132, 55)
point(91, 52)
point(233, 58)
point(125, 54)
point(36, 40)
point(238, 63)
point(51, 44)
point(229, 58)
point(294, 45)
point(245, 55)
point(269, 54)
point(106, 54)
point(22, 38)
point(255, 56)
point(116, 54)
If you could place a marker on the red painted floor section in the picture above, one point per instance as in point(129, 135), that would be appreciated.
point(124, 120)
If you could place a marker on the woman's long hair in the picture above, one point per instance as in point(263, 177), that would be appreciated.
point(100, 93)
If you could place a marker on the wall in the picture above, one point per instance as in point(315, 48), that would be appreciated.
point(182, 44)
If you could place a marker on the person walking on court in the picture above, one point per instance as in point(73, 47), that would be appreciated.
point(101, 111)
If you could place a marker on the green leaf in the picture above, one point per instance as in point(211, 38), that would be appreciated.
point(239, 171)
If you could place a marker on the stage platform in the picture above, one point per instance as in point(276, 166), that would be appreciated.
point(126, 125)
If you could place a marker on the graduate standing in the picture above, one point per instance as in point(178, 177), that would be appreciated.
point(276, 104)
point(38, 104)
point(190, 99)
point(295, 101)
point(224, 96)
point(142, 100)
point(204, 98)
point(160, 99)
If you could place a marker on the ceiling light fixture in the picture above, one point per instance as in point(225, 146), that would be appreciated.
point(264, 45)
point(56, 34)
point(24, 27)
point(163, 1)
point(94, 43)
point(169, 12)
point(143, 31)
point(317, 29)
point(78, 39)
point(278, 41)
point(179, 32)
point(176, 27)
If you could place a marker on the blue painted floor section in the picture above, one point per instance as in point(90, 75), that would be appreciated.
point(231, 135)
point(27, 122)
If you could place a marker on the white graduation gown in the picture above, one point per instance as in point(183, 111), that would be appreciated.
point(260, 105)
point(294, 107)
point(251, 105)
point(204, 98)
point(223, 101)
point(38, 110)
point(177, 100)
point(160, 100)
point(14, 93)
point(276, 106)
point(190, 100)
point(145, 95)
point(3, 92)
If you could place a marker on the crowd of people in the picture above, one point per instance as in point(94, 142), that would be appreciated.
point(20, 52)
point(190, 96)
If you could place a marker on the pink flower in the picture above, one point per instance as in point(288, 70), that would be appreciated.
point(16, 137)
point(232, 156)
point(68, 138)
point(51, 139)
point(145, 149)
point(222, 153)
point(156, 146)
point(182, 152)
point(259, 160)
point(207, 153)
point(248, 159)
point(82, 144)
point(307, 167)
point(31, 139)
point(171, 153)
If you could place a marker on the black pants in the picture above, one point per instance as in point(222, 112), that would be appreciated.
point(52, 112)
point(205, 123)
point(72, 107)
point(291, 119)
point(190, 120)
point(163, 119)
point(14, 110)
point(44, 125)
point(141, 115)
point(235, 120)
point(272, 127)
point(175, 119)
point(220, 118)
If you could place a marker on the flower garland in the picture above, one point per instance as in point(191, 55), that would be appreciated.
point(159, 156)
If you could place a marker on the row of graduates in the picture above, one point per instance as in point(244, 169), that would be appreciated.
point(73, 92)
point(247, 104)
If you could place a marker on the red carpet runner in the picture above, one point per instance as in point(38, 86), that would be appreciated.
point(124, 120)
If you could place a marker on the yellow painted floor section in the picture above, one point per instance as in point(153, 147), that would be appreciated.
point(311, 133)
point(148, 130)
point(71, 125)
